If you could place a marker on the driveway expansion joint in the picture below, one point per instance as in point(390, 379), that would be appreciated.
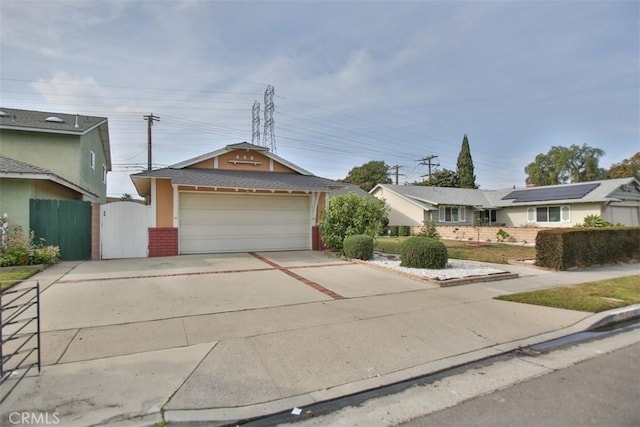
point(318, 287)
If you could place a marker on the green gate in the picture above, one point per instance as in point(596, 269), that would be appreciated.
point(63, 223)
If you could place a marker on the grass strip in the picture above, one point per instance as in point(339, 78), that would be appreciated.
point(591, 297)
point(497, 253)
point(11, 277)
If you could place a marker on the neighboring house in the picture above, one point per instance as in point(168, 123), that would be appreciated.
point(348, 188)
point(50, 156)
point(615, 200)
point(239, 198)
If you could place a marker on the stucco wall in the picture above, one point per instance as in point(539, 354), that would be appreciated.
point(16, 194)
point(65, 155)
point(164, 203)
point(401, 211)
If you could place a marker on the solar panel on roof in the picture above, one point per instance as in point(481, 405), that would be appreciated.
point(568, 192)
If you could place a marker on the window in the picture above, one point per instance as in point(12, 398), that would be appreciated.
point(92, 159)
point(104, 174)
point(549, 214)
point(452, 214)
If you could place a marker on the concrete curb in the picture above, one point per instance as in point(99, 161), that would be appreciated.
point(226, 416)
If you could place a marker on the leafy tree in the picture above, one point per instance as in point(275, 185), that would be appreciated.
point(627, 168)
point(465, 166)
point(562, 165)
point(369, 175)
point(350, 215)
point(441, 178)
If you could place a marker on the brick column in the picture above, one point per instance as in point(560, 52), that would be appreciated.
point(163, 241)
point(95, 231)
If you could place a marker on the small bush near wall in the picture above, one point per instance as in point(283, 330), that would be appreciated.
point(423, 252)
point(393, 230)
point(561, 249)
point(404, 230)
point(358, 247)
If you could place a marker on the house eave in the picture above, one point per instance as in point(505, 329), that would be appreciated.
point(49, 177)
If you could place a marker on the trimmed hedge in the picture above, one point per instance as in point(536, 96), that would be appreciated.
point(423, 252)
point(358, 247)
point(404, 230)
point(566, 248)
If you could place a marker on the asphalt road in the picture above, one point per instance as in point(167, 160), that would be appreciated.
point(604, 391)
point(576, 383)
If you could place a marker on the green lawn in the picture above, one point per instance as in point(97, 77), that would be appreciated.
point(10, 277)
point(497, 253)
point(592, 296)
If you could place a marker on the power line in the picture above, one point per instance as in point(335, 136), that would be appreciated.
point(426, 161)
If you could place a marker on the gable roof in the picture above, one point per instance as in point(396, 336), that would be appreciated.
point(59, 123)
point(74, 124)
point(608, 190)
point(240, 146)
point(239, 180)
point(431, 197)
point(11, 168)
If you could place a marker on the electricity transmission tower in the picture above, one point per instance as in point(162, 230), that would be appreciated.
point(255, 123)
point(268, 139)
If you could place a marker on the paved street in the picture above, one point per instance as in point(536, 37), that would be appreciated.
point(594, 383)
point(604, 391)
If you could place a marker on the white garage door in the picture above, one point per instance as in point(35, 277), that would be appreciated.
point(211, 223)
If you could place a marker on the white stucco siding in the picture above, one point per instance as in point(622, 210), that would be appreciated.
point(402, 212)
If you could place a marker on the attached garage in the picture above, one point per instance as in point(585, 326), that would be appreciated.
point(241, 198)
point(210, 223)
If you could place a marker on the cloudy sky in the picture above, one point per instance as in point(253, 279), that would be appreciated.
point(354, 80)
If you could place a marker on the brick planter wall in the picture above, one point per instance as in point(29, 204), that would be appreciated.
point(487, 233)
point(163, 241)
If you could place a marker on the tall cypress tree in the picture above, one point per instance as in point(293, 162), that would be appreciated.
point(465, 166)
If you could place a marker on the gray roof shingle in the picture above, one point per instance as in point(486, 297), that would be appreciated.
point(240, 179)
point(13, 118)
point(9, 165)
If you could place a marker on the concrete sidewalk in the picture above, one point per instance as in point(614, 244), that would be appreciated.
point(225, 338)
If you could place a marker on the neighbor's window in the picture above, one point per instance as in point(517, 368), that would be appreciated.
point(452, 213)
point(549, 214)
point(92, 159)
point(104, 174)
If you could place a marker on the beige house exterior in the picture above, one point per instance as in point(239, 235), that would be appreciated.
point(240, 198)
point(615, 200)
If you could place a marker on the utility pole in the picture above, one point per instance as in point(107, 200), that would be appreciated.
point(150, 119)
point(396, 169)
point(426, 161)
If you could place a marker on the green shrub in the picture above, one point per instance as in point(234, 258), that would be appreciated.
point(561, 249)
point(20, 248)
point(46, 255)
point(394, 230)
point(404, 230)
point(349, 215)
point(429, 230)
point(502, 235)
point(421, 252)
point(358, 247)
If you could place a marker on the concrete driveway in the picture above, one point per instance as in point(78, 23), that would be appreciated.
point(116, 307)
point(234, 336)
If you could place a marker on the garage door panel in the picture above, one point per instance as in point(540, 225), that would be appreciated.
point(226, 223)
